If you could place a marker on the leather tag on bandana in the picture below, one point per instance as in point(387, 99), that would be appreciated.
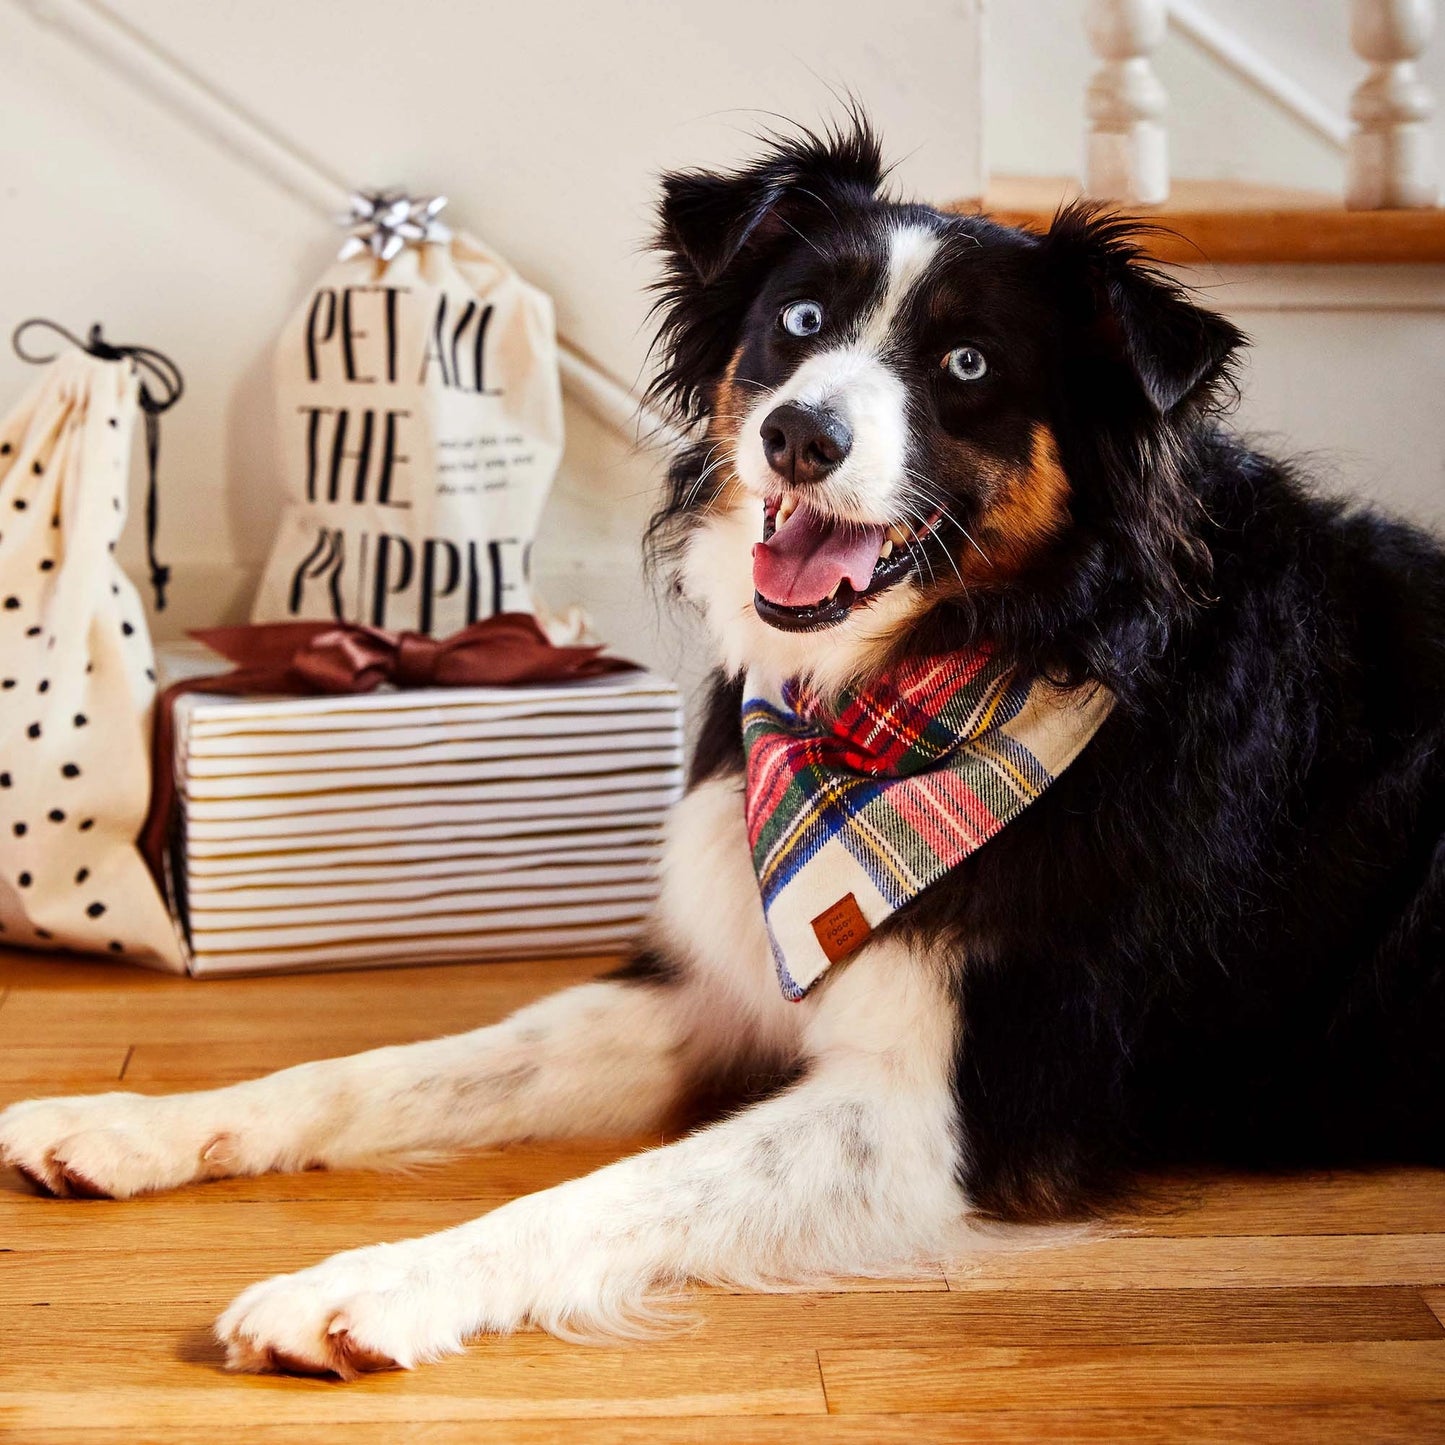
point(841, 929)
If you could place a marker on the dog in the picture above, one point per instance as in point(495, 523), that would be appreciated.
point(1212, 929)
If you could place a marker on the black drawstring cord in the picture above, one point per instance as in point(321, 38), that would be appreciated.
point(155, 369)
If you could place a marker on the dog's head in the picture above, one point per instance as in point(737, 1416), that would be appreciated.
point(911, 421)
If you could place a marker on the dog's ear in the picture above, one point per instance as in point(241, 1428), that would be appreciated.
point(708, 220)
point(717, 234)
point(1178, 353)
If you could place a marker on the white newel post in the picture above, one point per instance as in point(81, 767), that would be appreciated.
point(1127, 156)
point(1391, 165)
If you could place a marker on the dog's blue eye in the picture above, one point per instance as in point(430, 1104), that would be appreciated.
point(966, 363)
point(802, 318)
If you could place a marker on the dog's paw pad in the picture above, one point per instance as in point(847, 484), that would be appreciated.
point(350, 1357)
point(108, 1146)
point(75, 1185)
point(354, 1314)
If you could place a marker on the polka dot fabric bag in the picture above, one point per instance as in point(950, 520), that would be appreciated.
point(77, 675)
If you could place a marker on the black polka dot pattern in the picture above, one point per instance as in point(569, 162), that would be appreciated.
point(41, 836)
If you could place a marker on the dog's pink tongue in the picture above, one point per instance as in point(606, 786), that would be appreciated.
point(809, 555)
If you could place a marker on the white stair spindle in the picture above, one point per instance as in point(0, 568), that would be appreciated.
point(1391, 166)
point(1127, 156)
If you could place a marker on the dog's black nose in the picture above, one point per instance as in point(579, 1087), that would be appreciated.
point(804, 443)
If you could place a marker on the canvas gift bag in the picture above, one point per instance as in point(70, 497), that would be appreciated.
point(77, 675)
point(420, 417)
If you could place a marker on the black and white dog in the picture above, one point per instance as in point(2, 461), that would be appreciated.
point(1219, 935)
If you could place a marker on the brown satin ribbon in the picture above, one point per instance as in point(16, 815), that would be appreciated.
point(310, 659)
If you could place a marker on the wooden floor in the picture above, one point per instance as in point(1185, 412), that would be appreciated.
point(1235, 1309)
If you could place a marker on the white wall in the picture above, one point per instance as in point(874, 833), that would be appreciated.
point(1345, 373)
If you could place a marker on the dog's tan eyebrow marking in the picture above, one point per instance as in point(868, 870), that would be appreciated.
point(911, 251)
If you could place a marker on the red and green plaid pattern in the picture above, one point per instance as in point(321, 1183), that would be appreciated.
point(877, 796)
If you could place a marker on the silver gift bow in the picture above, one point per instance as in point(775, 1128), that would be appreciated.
point(383, 222)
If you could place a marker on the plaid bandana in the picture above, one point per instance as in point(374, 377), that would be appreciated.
point(854, 810)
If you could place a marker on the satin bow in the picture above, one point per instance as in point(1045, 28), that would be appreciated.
point(310, 658)
point(341, 657)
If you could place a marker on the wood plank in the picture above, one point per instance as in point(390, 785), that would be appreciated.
point(100, 1227)
point(1139, 1376)
point(1239, 223)
point(42, 1065)
point(64, 973)
point(92, 1385)
point(393, 1006)
point(718, 1320)
point(1379, 1201)
point(1279, 1261)
point(1435, 1299)
point(21, 968)
point(1221, 1425)
point(1122, 1317)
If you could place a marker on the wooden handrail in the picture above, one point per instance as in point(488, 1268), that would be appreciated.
point(1236, 223)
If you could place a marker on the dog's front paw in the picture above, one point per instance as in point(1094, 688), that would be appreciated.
point(379, 1308)
point(107, 1146)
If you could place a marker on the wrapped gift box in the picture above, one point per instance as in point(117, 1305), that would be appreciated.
point(421, 826)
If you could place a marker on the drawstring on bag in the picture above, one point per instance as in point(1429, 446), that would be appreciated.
point(154, 368)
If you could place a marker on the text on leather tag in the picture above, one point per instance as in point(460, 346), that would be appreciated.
point(841, 928)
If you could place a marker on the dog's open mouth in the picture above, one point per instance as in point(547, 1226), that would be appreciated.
point(811, 570)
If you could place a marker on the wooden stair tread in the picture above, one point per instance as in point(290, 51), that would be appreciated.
point(1240, 224)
